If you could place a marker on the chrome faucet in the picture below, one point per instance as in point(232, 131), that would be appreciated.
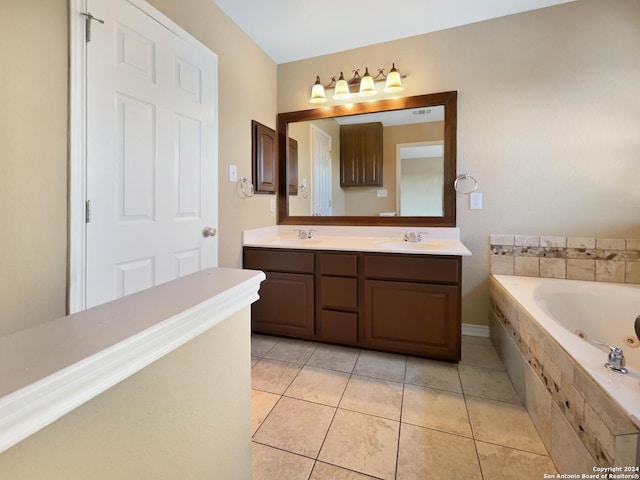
point(302, 234)
point(616, 357)
point(413, 236)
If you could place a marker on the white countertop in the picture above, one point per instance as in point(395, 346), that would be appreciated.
point(50, 369)
point(437, 241)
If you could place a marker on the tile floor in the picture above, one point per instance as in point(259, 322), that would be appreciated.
point(323, 412)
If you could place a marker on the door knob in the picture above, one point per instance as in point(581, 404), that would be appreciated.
point(208, 232)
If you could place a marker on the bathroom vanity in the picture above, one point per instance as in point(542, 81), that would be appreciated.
point(373, 291)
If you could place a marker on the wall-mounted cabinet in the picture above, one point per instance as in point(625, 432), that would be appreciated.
point(361, 155)
point(264, 164)
point(392, 302)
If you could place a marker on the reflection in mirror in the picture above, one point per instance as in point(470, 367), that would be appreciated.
point(396, 168)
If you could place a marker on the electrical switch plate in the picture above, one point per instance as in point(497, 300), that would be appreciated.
point(233, 173)
point(475, 201)
point(381, 193)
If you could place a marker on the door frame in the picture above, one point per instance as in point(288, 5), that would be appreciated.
point(77, 171)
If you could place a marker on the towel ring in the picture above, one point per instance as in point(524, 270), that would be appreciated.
point(303, 191)
point(245, 181)
point(467, 191)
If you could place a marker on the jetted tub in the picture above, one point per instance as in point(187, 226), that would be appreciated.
point(595, 311)
point(574, 312)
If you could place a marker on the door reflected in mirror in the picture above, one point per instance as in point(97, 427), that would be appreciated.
point(387, 163)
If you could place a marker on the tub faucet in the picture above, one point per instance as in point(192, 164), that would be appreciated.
point(616, 357)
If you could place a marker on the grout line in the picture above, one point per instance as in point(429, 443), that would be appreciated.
point(400, 422)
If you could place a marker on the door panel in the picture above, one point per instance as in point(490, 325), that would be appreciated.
point(151, 152)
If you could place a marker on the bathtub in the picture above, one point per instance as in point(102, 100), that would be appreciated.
point(574, 312)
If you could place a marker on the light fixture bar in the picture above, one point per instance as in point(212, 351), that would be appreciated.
point(362, 85)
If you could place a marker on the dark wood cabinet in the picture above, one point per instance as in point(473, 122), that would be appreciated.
point(264, 162)
point(392, 302)
point(286, 304)
point(361, 155)
point(292, 165)
point(337, 297)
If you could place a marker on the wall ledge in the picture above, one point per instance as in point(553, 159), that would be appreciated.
point(55, 367)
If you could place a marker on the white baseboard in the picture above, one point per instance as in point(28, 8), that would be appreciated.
point(475, 330)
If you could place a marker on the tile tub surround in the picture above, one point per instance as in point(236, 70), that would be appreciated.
point(575, 258)
point(390, 416)
point(580, 425)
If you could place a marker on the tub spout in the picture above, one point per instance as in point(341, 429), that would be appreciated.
point(616, 357)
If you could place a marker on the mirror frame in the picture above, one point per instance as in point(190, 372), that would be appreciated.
point(447, 99)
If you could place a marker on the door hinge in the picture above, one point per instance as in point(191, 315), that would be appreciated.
point(88, 211)
point(87, 22)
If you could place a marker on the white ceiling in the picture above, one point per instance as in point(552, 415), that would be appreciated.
point(289, 30)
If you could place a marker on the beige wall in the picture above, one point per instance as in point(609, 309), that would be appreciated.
point(33, 145)
point(160, 423)
point(548, 120)
point(33, 162)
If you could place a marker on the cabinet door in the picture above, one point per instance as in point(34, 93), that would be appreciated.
point(264, 164)
point(371, 155)
point(292, 165)
point(361, 155)
point(413, 318)
point(285, 306)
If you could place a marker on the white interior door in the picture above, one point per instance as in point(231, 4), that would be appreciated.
point(321, 161)
point(151, 152)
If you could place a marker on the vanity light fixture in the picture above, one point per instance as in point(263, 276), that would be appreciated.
point(364, 86)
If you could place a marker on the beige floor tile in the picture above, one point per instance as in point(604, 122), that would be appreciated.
point(292, 351)
point(273, 376)
point(261, 344)
point(502, 463)
point(373, 396)
point(488, 383)
point(436, 409)
point(333, 357)
point(318, 385)
point(504, 424)
point(362, 443)
point(387, 366)
point(296, 426)
point(425, 454)
point(255, 360)
point(481, 356)
point(261, 405)
point(434, 374)
point(271, 464)
point(324, 471)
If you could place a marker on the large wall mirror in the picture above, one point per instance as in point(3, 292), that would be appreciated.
point(389, 162)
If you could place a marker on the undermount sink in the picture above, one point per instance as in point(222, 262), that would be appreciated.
point(296, 241)
point(424, 245)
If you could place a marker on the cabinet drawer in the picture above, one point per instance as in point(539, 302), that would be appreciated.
point(277, 260)
point(338, 292)
point(412, 267)
point(339, 327)
point(345, 265)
